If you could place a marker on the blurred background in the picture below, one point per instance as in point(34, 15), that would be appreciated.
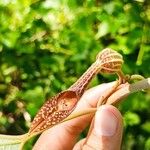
point(46, 45)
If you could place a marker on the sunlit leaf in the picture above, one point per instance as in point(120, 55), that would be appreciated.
point(11, 142)
point(103, 29)
point(146, 127)
point(131, 119)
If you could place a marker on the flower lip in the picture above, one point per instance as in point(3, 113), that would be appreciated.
point(110, 60)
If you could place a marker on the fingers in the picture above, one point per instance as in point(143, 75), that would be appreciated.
point(106, 131)
point(64, 135)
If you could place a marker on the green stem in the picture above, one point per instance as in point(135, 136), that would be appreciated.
point(141, 52)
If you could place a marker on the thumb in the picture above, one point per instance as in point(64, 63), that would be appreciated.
point(106, 130)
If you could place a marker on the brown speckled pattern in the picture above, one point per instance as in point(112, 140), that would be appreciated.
point(60, 106)
point(54, 111)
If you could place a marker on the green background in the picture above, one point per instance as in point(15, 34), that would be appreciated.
point(45, 46)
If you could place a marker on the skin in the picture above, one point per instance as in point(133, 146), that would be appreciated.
point(105, 127)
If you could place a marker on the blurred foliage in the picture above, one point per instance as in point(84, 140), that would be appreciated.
point(46, 45)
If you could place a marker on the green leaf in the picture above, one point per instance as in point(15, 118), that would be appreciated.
point(131, 119)
point(146, 126)
point(11, 142)
point(147, 144)
point(103, 29)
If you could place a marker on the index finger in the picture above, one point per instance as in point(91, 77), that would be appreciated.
point(63, 136)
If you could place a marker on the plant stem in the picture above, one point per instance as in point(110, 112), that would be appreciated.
point(139, 86)
point(123, 92)
point(80, 113)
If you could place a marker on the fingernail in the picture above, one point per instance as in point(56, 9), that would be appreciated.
point(105, 122)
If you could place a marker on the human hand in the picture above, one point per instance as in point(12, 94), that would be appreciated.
point(105, 131)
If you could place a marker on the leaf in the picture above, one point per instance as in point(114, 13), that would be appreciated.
point(10, 142)
point(103, 29)
point(146, 126)
point(147, 144)
point(131, 119)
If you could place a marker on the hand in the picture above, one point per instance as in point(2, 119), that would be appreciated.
point(105, 132)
